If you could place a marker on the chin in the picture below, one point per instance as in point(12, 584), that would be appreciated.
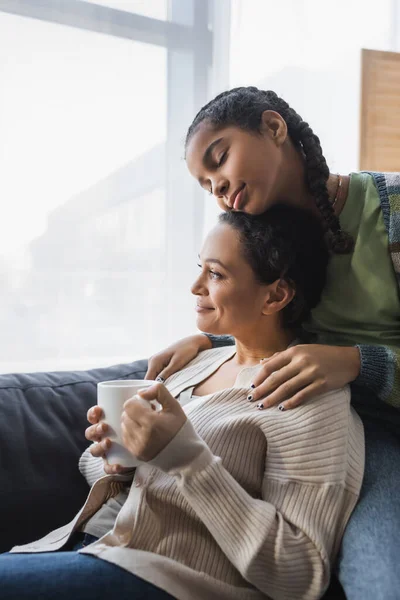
point(259, 203)
point(256, 208)
point(211, 323)
point(204, 328)
point(212, 328)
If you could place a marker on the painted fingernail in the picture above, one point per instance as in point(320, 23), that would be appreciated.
point(260, 406)
point(252, 386)
point(281, 407)
point(249, 397)
point(160, 379)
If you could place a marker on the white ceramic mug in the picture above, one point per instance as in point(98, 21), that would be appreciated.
point(111, 397)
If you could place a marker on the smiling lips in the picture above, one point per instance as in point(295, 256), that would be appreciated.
point(200, 308)
point(235, 201)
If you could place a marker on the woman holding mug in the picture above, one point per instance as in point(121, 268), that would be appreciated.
point(230, 503)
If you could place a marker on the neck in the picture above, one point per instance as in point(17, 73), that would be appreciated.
point(251, 349)
point(295, 190)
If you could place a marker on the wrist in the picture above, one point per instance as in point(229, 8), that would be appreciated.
point(204, 342)
point(186, 451)
point(354, 362)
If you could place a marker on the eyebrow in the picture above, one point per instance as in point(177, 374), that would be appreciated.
point(208, 152)
point(215, 261)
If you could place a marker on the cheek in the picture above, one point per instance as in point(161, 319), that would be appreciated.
point(221, 296)
point(260, 171)
point(251, 156)
point(221, 204)
point(257, 162)
point(245, 305)
point(233, 301)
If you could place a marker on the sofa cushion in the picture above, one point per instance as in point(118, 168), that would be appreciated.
point(42, 435)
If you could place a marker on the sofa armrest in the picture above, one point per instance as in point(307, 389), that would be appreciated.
point(42, 426)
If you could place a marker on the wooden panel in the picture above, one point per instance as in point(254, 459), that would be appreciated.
point(380, 111)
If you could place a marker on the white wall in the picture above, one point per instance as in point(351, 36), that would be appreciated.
point(309, 52)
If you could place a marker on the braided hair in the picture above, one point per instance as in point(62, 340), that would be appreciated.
point(243, 107)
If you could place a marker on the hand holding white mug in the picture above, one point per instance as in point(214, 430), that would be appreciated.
point(97, 432)
point(111, 397)
point(146, 432)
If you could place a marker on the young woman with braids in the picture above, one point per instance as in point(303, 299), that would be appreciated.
point(252, 151)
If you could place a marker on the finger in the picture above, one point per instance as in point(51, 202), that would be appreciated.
point(90, 433)
point(160, 393)
point(95, 433)
point(95, 414)
point(263, 360)
point(304, 395)
point(273, 381)
point(114, 469)
point(136, 408)
point(155, 366)
point(273, 364)
point(129, 423)
point(100, 449)
point(131, 433)
point(285, 391)
point(172, 367)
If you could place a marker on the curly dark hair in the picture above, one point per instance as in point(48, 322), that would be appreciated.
point(243, 108)
point(285, 243)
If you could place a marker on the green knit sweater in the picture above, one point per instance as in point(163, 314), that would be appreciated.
point(380, 371)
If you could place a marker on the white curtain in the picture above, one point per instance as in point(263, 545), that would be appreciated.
point(100, 222)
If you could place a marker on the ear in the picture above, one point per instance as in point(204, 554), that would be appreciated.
point(279, 294)
point(274, 126)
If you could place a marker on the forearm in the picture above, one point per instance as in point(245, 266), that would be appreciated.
point(379, 372)
point(218, 341)
point(92, 468)
point(269, 551)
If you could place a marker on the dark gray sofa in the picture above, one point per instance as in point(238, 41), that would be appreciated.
point(42, 424)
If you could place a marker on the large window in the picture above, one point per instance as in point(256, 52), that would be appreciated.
point(100, 222)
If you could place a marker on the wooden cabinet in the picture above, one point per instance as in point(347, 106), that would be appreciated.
point(380, 111)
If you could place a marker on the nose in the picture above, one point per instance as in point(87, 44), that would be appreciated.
point(220, 188)
point(198, 288)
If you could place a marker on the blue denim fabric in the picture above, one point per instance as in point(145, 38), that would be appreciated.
point(67, 574)
point(368, 565)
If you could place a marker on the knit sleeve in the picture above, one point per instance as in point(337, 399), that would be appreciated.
point(380, 372)
point(284, 552)
point(91, 468)
point(218, 341)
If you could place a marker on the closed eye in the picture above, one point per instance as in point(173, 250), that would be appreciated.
point(222, 158)
point(220, 162)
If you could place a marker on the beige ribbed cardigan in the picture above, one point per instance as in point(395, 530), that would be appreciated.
point(242, 504)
